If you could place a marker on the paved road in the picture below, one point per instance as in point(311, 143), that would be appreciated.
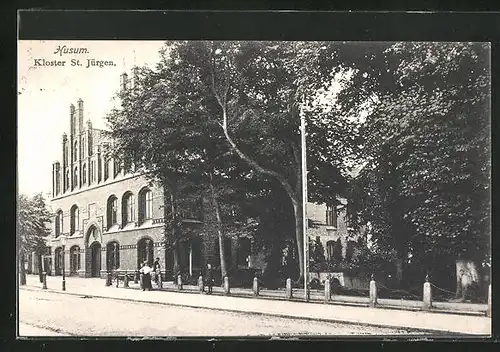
point(52, 314)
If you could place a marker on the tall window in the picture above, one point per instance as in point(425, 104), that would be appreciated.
point(58, 181)
point(107, 164)
point(82, 148)
point(75, 151)
point(112, 211)
point(75, 178)
point(59, 223)
point(91, 172)
point(75, 219)
point(67, 180)
point(128, 210)
point(331, 216)
point(116, 167)
point(112, 256)
point(99, 169)
point(145, 205)
point(84, 173)
point(66, 152)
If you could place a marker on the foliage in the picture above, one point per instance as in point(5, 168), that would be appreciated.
point(425, 188)
point(33, 216)
point(317, 256)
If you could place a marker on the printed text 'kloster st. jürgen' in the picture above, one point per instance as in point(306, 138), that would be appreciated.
point(63, 50)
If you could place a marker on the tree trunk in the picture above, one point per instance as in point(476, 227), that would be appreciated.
point(468, 279)
point(219, 230)
point(22, 269)
point(40, 267)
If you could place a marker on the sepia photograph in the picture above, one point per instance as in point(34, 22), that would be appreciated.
point(204, 188)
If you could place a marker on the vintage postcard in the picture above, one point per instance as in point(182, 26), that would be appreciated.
point(253, 188)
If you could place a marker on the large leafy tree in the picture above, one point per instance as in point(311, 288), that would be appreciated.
point(260, 89)
point(425, 187)
point(33, 217)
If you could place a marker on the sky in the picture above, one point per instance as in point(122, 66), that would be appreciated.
point(46, 92)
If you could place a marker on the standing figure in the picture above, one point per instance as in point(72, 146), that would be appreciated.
point(210, 279)
point(157, 272)
point(146, 277)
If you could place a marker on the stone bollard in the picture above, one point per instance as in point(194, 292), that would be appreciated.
point(427, 296)
point(227, 289)
point(136, 277)
point(201, 287)
point(125, 280)
point(373, 293)
point(44, 280)
point(255, 286)
point(288, 288)
point(328, 294)
point(179, 282)
point(108, 279)
point(488, 311)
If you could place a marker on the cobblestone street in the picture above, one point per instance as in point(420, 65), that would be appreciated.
point(52, 314)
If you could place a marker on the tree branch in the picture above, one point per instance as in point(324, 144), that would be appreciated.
point(253, 163)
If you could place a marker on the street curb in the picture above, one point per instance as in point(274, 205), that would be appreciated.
point(281, 315)
point(330, 302)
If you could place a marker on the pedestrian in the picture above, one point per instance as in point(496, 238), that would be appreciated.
point(146, 277)
point(210, 279)
point(157, 271)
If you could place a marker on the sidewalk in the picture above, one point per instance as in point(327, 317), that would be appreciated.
point(452, 323)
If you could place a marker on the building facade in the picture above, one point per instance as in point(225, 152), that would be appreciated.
point(331, 225)
point(113, 218)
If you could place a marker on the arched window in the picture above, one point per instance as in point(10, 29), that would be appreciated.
point(59, 223)
point(112, 211)
point(112, 256)
point(128, 209)
point(244, 250)
point(74, 259)
point(67, 180)
point(145, 251)
point(75, 219)
point(75, 151)
point(145, 205)
point(84, 173)
point(75, 178)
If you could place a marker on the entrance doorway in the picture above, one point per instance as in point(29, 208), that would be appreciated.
point(95, 259)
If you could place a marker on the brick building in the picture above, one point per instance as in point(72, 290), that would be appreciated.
point(113, 218)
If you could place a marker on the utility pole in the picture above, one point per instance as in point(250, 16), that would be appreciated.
point(304, 202)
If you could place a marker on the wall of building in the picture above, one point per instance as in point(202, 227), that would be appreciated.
point(316, 213)
point(92, 204)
